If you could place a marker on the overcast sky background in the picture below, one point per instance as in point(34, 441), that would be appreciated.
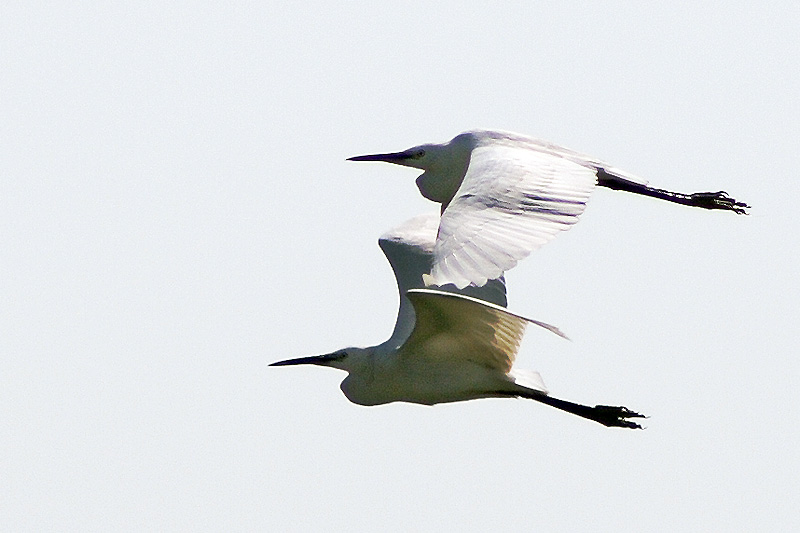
point(176, 212)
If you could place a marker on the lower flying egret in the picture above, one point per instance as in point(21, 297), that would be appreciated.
point(504, 195)
point(448, 345)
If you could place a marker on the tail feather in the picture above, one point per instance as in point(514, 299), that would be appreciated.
point(529, 379)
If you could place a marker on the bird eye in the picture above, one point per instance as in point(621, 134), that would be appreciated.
point(419, 154)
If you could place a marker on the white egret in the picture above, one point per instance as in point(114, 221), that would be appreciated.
point(504, 195)
point(448, 345)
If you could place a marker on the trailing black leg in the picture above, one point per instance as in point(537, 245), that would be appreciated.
point(706, 200)
point(607, 415)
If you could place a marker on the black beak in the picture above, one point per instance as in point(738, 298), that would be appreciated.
point(394, 157)
point(312, 360)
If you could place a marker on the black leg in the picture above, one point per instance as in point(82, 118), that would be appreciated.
point(706, 200)
point(607, 415)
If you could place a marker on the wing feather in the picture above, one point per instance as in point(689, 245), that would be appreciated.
point(514, 198)
point(450, 325)
point(409, 249)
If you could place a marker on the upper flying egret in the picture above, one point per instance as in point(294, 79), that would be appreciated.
point(447, 345)
point(504, 195)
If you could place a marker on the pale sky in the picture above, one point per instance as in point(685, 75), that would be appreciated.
point(176, 212)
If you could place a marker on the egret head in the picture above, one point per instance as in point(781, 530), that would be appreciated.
point(348, 359)
point(422, 157)
point(358, 362)
point(444, 166)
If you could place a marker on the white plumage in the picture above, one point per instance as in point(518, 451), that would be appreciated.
point(504, 195)
point(448, 345)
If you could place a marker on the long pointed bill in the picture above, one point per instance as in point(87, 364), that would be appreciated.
point(395, 157)
point(312, 360)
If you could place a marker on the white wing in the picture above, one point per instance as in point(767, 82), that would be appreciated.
point(514, 198)
point(455, 326)
point(409, 249)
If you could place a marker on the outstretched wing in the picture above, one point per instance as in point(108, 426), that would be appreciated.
point(409, 249)
point(514, 198)
point(455, 326)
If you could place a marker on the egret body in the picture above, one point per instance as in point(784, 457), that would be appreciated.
point(448, 345)
point(504, 195)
